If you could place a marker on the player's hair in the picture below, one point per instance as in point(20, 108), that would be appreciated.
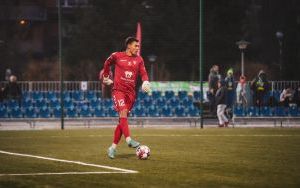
point(130, 40)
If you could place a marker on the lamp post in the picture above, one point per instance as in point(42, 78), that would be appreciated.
point(279, 36)
point(242, 45)
point(152, 59)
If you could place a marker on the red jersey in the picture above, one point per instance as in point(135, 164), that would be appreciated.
point(127, 69)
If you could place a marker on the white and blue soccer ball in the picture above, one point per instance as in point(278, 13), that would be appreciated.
point(143, 152)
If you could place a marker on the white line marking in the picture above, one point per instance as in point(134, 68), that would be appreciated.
point(61, 173)
point(67, 161)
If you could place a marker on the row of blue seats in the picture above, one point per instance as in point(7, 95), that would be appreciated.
point(266, 111)
point(160, 102)
point(81, 95)
point(86, 111)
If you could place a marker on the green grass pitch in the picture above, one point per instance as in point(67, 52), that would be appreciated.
point(247, 157)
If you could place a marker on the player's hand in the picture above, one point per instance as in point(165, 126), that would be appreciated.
point(107, 80)
point(146, 86)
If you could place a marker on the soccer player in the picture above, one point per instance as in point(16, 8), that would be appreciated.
point(128, 66)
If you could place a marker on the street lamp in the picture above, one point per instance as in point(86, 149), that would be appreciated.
point(152, 59)
point(279, 36)
point(242, 44)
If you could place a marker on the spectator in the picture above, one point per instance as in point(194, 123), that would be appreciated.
point(260, 87)
point(286, 96)
point(297, 96)
point(12, 89)
point(213, 80)
point(241, 92)
point(230, 85)
point(221, 100)
point(106, 89)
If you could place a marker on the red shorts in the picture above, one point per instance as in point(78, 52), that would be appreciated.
point(122, 100)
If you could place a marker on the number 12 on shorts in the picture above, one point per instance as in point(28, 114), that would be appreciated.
point(121, 102)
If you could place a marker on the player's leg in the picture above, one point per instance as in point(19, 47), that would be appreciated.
point(118, 130)
point(219, 114)
point(225, 119)
point(123, 114)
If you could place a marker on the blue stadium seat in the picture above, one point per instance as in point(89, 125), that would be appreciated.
point(147, 101)
point(3, 112)
point(107, 103)
point(193, 111)
point(99, 112)
point(40, 103)
point(166, 111)
point(276, 94)
point(37, 95)
point(173, 102)
point(68, 102)
point(30, 112)
point(53, 103)
point(161, 102)
point(138, 102)
point(95, 102)
point(142, 95)
point(293, 111)
point(12, 103)
point(180, 111)
point(280, 111)
point(51, 95)
point(80, 104)
point(71, 112)
point(16, 112)
point(239, 111)
point(57, 112)
point(66, 94)
point(153, 111)
point(85, 111)
point(26, 95)
point(156, 95)
point(253, 111)
point(112, 113)
point(187, 102)
point(169, 94)
point(44, 112)
point(182, 94)
point(77, 95)
point(139, 111)
point(26, 103)
point(266, 111)
point(197, 95)
point(90, 94)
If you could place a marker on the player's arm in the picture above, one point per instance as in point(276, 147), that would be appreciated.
point(110, 61)
point(146, 84)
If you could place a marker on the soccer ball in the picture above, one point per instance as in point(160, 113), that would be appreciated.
point(143, 152)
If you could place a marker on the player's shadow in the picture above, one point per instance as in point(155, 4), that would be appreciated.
point(126, 156)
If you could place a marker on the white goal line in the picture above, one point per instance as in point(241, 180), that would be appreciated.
point(120, 170)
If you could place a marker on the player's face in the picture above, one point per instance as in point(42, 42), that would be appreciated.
point(134, 48)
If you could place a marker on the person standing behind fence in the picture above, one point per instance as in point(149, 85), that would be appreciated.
point(230, 85)
point(286, 96)
point(12, 89)
point(213, 80)
point(241, 92)
point(260, 87)
point(221, 100)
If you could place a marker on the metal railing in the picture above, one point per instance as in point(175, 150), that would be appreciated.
point(96, 85)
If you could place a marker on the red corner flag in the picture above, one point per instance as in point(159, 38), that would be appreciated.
point(139, 36)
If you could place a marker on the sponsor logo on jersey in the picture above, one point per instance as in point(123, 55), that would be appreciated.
point(123, 60)
point(128, 74)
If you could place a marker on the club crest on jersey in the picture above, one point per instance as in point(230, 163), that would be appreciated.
point(128, 74)
point(129, 63)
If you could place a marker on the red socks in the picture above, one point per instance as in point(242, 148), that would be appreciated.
point(124, 127)
point(118, 134)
